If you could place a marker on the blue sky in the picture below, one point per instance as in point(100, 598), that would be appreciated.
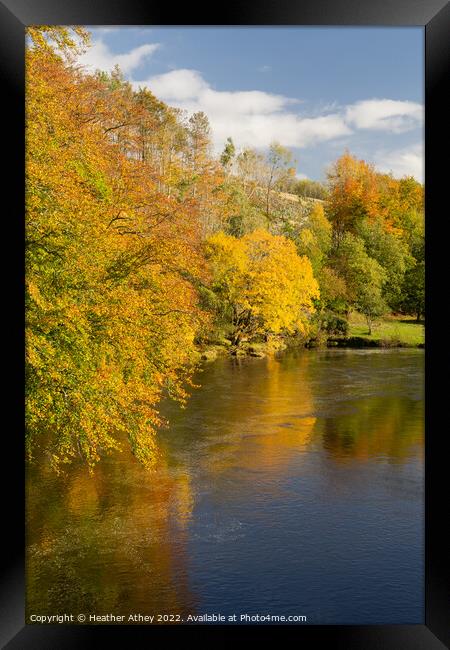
point(315, 90)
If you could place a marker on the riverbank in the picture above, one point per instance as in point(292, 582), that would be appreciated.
point(210, 352)
point(368, 342)
point(390, 332)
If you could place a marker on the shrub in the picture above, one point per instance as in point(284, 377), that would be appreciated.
point(334, 325)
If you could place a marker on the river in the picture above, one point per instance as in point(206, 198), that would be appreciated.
point(289, 486)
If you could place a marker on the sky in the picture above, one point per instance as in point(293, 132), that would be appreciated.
point(315, 90)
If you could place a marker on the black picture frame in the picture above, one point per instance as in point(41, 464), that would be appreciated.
point(434, 16)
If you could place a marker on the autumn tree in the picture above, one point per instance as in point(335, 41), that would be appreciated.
point(200, 138)
point(137, 237)
point(353, 194)
point(251, 171)
point(112, 266)
point(268, 287)
point(278, 168)
point(51, 39)
point(308, 188)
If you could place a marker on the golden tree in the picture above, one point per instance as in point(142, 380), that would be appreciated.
point(111, 265)
point(268, 286)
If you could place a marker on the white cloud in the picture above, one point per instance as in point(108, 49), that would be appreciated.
point(256, 118)
point(408, 161)
point(252, 118)
point(176, 86)
point(99, 56)
point(385, 115)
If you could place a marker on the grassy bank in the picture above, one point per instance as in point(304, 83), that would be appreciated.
point(391, 330)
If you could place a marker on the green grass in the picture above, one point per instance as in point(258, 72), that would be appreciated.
point(390, 328)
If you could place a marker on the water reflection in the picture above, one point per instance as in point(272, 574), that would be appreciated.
point(264, 456)
point(380, 427)
point(109, 543)
point(258, 422)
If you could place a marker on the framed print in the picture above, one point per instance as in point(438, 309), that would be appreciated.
point(234, 233)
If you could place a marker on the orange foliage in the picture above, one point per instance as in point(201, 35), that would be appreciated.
point(357, 192)
point(113, 259)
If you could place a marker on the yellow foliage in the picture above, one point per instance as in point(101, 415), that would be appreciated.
point(112, 264)
point(269, 286)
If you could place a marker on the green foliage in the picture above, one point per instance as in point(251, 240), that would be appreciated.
point(333, 290)
point(244, 215)
point(334, 324)
point(413, 291)
point(228, 154)
point(314, 239)
point(364, 277)
point(391, 253)
point(311, 189)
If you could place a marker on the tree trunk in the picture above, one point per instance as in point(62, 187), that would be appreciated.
point(268, 202)
point(235, 340)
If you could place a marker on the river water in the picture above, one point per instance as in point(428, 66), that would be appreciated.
point(288, 486)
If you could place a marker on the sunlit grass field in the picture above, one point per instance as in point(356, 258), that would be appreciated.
point(391, 328)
